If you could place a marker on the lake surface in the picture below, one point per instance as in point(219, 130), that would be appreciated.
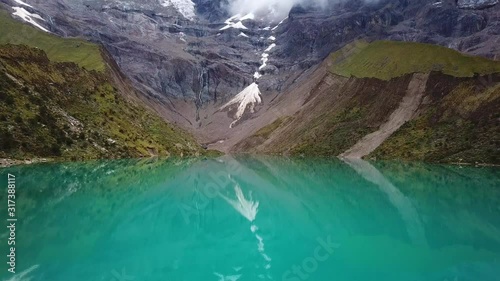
point(254, 219)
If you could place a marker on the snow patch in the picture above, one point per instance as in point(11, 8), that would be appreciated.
point(233, 18)
point(270, 47)
point(243, 35)
point(185, 7)
point(22, 3)
point(182, 37)
point(28, 17)
point(238, 25)
point(236, 21)
point(264, 60)
point(250, 96)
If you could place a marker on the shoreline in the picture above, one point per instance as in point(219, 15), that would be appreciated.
point(7, 162)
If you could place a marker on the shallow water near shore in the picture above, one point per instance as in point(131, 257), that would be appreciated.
point(245, 218)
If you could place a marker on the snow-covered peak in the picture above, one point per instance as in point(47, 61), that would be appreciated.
point(270, 47)
point(185, 7)
point(243, 35)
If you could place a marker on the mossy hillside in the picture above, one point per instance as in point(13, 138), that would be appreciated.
point(58, 49)
point(334, 122)
point(59, 110)
point(333, 134)
point(266, 131)
point(261, 135)
point(389, 59)
point(462, 127)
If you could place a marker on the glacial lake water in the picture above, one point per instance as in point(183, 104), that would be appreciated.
point(244, 218)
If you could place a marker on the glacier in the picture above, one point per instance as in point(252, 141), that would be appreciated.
point(250, 96)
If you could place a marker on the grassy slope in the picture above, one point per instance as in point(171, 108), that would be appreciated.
point(58, 49)
point(459, 119)
point(61, 110)
point(459, 124)
point(261, 135)
point(388, 59)
point(461, 127)
point(56, 100)
point(343, 121)
point(334, 120)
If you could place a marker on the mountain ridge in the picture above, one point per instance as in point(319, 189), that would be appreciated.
point(222, 76)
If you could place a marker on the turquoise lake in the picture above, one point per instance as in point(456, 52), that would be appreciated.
point(245, 218)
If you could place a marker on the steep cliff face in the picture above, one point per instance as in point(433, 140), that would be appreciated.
point(185, 51)
point(412, 108)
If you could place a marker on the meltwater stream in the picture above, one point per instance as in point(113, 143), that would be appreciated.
point(247, 218)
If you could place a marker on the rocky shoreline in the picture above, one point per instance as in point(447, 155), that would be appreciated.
point(6, 162)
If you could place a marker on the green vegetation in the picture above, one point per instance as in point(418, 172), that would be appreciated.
point(332, 135)
point(337, 117)
point(266, 131)
point(461, 127)
point(457, 122)
point(263, 134)
point(85, 54)
point(59, 110)
point(388, 59)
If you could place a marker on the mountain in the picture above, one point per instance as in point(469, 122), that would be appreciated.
point(225, 70)
point(391, 100)
point(82, 108)
point(185, 54)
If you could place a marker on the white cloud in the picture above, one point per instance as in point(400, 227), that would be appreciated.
point(274, 9)
point(277, 9)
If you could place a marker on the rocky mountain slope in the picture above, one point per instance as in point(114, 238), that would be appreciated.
point(193, 57)
point(60, 110)
point(424, 108)
point(235, 75)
